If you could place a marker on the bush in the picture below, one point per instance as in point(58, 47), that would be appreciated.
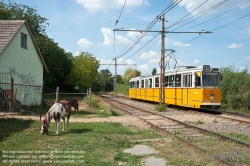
point(122, 89)
point(161, 107)
point(95, 101)
point(235, 87)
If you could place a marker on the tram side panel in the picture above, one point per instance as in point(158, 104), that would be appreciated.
point(150, 94)
point(170, 96)
point(131, 93)
point(156, 96)
point(178, 96)
point(195, 98)
point(138, 93)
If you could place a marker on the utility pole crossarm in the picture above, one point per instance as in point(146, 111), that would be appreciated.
point(133, 30)
point(121, 64)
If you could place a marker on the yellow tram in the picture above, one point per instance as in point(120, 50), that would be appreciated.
point(188, 86)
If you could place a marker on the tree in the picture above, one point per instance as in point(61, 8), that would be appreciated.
point(119, 79)
point(130, 73)
point(154, 71)
point(84, 71)
point(57, 60)
point(15, 11)
point(105, 80)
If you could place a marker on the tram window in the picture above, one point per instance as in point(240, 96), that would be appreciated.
point(142, 83)
point(146, 83)
point(150, 83)
point(190, 80)
point(131, 84)
point(197, 79)
point(210, 79)
point(178, 80)
point(137, 84)
point(166, 81)
point(157, 82)
point(185, 81)
point(171, 81)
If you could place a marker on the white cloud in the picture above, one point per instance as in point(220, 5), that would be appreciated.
point(96, 5)
point(103, 61)
point(150, 54)
point(243, 68)
point(108, 35)
point(143, 68)
point(181, 44)
point(248, 58)
point(196, 61)
point(234, 45)
point(132, 34)
point(84, 43)
point(77, 53)
point(130, 62)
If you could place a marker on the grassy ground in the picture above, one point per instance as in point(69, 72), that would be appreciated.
point(97, 144)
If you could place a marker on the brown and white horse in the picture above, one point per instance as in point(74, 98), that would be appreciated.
point(57, 111)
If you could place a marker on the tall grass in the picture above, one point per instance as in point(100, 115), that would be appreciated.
point(122, 89)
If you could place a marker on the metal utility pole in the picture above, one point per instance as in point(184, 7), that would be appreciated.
point(115, 82)
point(162, 59)
point(162, 63)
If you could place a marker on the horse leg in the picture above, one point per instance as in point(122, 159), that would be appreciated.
point(64, 124)
point(57, 127)
point(68, 116)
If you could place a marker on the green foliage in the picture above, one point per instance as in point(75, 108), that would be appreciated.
point(235, 87)
point(95, 101)
point(57, 60)
point(105, 79)
point(119, 79)
point(161, 107)
point(84, 70)
point(130, 73)
point(15, 11)
point(122, 89)
point(154, 71)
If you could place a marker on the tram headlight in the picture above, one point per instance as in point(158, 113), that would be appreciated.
point(211, 97)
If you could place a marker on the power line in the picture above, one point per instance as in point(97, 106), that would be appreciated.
point(203, 34)
point(207, 11)
point(145, 31)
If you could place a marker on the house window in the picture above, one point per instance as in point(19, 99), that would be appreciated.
point(23, 40)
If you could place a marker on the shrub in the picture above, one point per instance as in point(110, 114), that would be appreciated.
point(122, 89)
point(161, 107)
point(95, 101)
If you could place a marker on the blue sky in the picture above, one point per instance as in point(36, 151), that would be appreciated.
point(87, 26)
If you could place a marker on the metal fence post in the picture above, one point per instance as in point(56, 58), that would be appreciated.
point(57, 91)
point(90, 97)
point(11, 94)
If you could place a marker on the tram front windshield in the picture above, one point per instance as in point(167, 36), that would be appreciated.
point(210, 79)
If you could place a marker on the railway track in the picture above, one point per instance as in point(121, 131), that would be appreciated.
point(227, 150)
point(239, 118)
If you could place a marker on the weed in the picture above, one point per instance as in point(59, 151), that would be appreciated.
point(215, 121)
point(161, 107)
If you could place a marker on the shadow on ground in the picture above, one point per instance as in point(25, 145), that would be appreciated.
point(12, 125)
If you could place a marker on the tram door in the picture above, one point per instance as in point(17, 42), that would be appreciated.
point(187, 88)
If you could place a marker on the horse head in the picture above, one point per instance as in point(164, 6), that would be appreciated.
point(45, 127)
